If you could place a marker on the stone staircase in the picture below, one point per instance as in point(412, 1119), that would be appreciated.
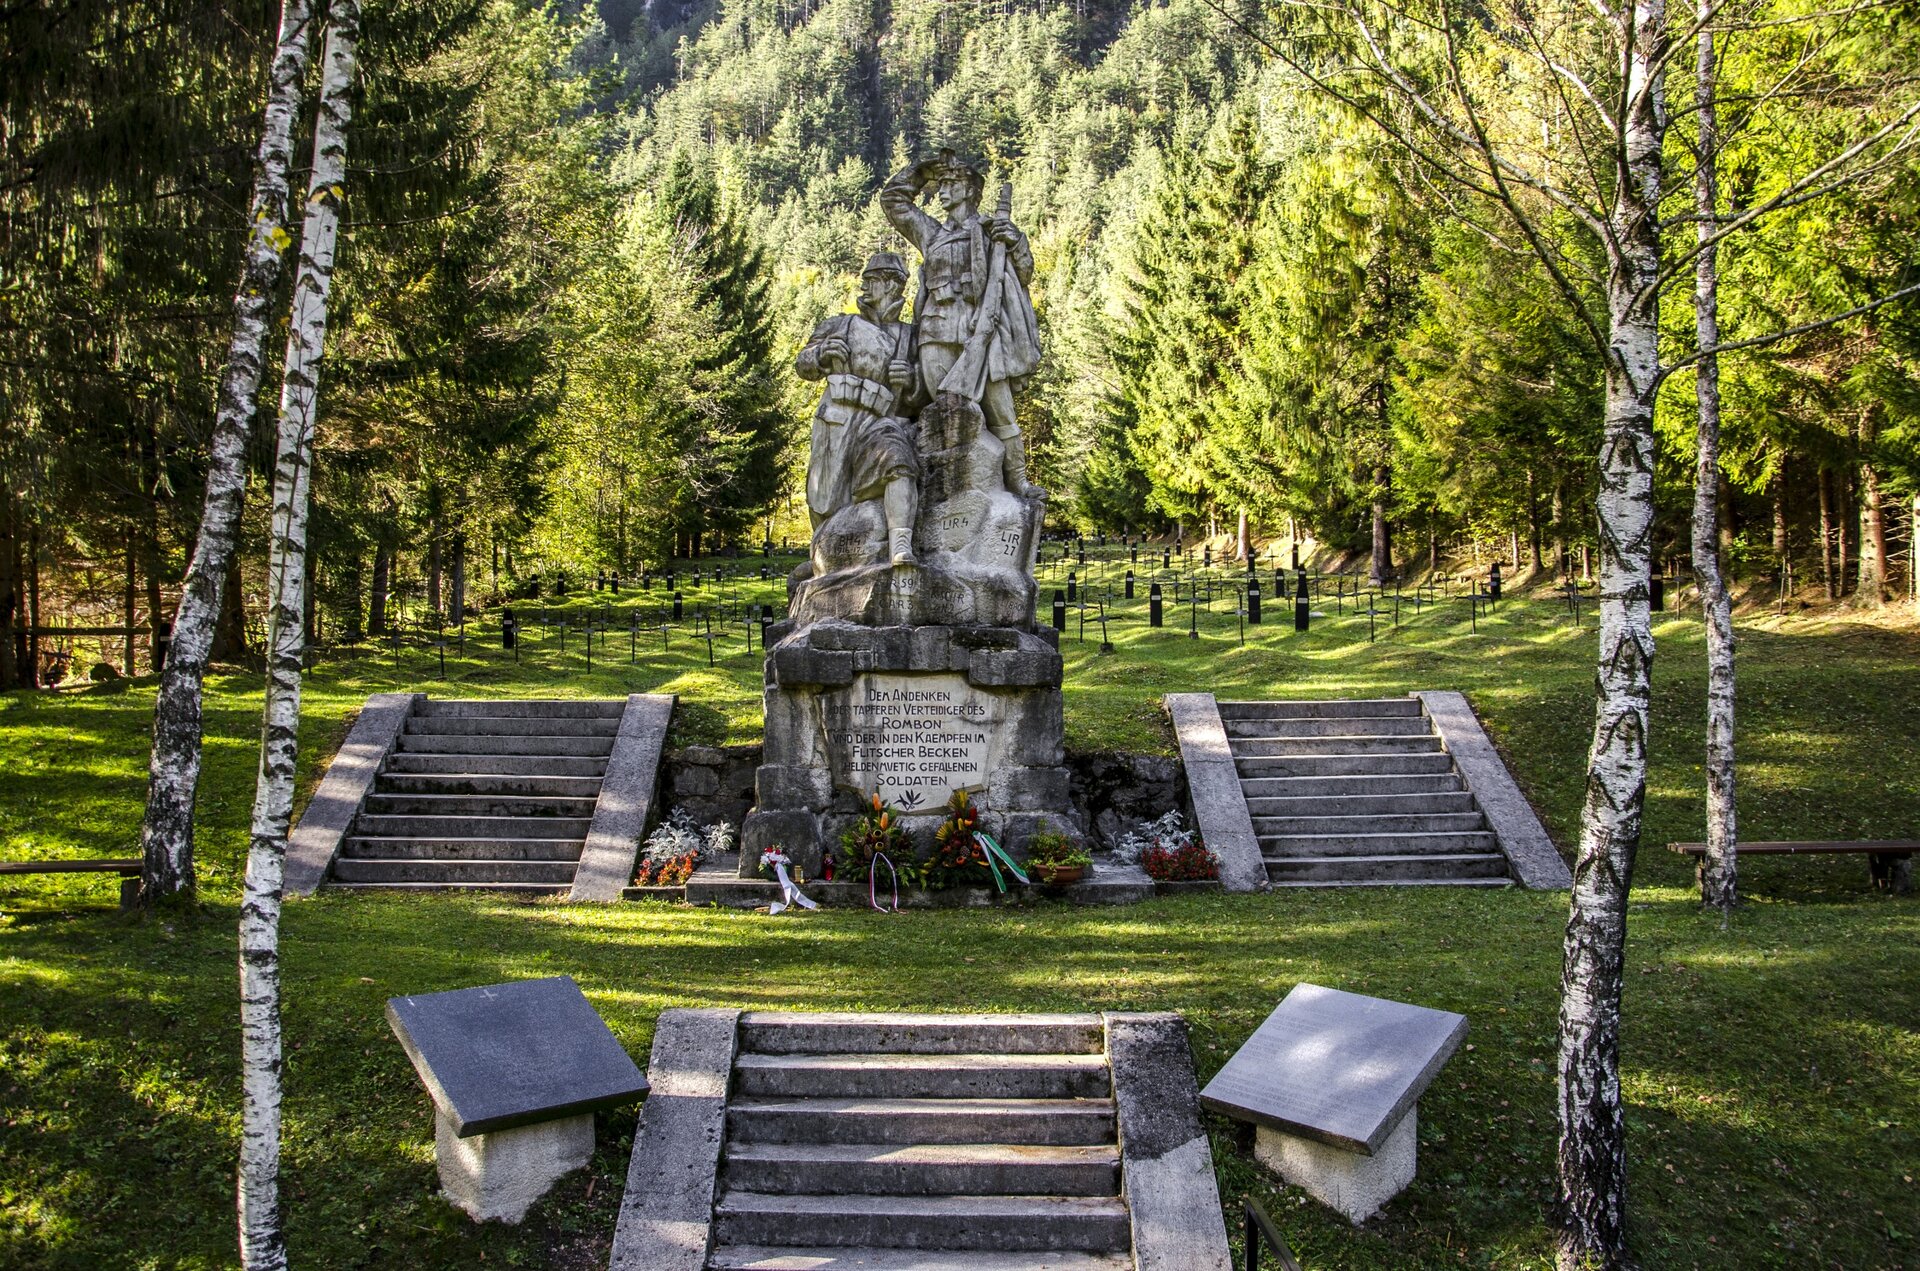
point(920, 1143)
point(1358, 794)
point(494, 795)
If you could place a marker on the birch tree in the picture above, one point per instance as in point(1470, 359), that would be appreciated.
point(262, 1234)
point(1719, 869)
point(1546, 124)
point(173, 769)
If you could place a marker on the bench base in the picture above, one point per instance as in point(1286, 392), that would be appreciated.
point(1349, 1183)
point(1892, 871)
point(498, 1176)
point(1889, 871)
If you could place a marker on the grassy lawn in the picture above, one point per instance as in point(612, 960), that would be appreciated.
point(1772, 1070)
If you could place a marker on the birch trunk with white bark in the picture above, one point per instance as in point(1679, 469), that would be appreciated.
point(1592, 1151)
point(1719, 869)
point(173, 768)
point(1871, 592)
point(263, 1245)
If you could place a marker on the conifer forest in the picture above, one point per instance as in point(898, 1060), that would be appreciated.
point(579, 247)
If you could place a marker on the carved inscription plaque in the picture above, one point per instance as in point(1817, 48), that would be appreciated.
point(913, 738)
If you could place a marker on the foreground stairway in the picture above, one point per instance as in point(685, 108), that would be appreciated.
point(495, 795)
point(920, 1143)
point(1357, 793)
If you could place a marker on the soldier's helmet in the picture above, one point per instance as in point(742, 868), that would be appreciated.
point(948, 165)
point(888, 263)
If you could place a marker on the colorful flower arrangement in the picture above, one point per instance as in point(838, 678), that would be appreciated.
point(1189, 862)
point(671, 872)
point(958, 857)
point(677, 846)
point(1169, 852)
point(877, 832)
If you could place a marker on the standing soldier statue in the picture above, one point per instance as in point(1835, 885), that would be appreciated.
point(974, 321)
point(863, 446)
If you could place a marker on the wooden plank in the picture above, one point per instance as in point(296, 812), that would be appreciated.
point(1809, 848)
point(129, 868)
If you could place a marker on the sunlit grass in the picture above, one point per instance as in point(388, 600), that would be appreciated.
point(1772, 1070)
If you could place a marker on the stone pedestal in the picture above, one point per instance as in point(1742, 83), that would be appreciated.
point(498, 1176)
point(913, 713)
point(1352, 1184)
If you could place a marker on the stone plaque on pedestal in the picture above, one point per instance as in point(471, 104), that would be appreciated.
point(911, 739)
point(1331, 1080)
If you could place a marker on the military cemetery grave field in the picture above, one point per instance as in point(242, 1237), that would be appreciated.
point(1771, 1069)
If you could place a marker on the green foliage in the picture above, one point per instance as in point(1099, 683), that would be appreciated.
point(1051, 850)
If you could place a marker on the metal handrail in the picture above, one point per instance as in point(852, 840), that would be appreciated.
point(1260, 1227)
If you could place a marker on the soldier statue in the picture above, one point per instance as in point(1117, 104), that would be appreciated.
point(975, 330)
point(863, 443)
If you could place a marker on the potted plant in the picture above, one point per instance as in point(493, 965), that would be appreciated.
point(1056, 860)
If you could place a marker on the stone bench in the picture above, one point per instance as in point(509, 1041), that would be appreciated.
point(516, 1072)
point(1889, 861)
point(1331, 1080)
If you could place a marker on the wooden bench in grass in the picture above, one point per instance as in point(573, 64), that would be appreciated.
point(129, 871)
point(1889, 861)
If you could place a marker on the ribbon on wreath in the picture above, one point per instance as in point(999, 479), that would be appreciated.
point(991, 849)
point(790, 893)
point(893, 876)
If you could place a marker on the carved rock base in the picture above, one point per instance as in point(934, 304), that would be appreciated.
point(914, 712)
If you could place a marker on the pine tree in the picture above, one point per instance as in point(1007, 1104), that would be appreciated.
point(732, 443)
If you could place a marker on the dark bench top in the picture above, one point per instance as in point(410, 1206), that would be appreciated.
point(128, 868)
point(1876, 846)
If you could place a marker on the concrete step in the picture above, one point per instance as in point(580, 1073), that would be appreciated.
point(1400, 882)
point(1438, 823)
point(1371, 706)
point(1287, 845)
point(1359, 805)
point(1252, 767)
point(546, 708)
point(353, 869)
point(796, 1033)
point(512, 726)
point(886, 1169)
point(389, 849)
point(503, 889)
point(1268, 747)
point(816, 1258)
point(1385, 868)
point(379, 804)
point(467, 764)
point(1092, 1224)
point(462, 744)
point(471, 827)
point(1056, 1122)
point(1342, 726)
point(1350, 786)
point(488, 784)
point(886, 1076)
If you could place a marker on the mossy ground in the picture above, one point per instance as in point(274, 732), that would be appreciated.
point(1772, 1068)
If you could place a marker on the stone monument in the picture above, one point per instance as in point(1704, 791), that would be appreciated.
point(910, 665)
